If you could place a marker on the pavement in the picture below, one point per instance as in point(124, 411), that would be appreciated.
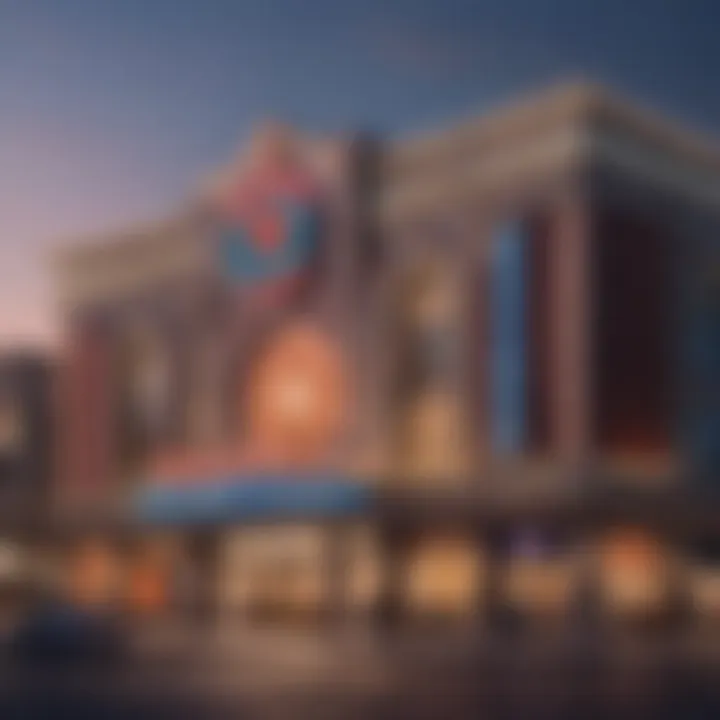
point(241, 672)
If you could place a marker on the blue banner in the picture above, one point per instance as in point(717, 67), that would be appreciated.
point(507, 339)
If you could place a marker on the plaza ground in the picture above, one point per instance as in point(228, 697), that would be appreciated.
point(271, 673)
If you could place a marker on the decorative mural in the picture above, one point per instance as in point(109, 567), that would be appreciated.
point(269, 222)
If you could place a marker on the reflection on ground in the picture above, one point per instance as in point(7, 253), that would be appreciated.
point(273, 674)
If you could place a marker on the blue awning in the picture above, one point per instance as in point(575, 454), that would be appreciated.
point(251, 499)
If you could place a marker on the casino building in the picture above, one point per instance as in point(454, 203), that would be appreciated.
point(439, 378)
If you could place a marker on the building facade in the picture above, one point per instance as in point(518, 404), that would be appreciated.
point(26, 463)
point(439, 378)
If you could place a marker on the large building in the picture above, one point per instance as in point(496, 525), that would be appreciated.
point(438, 377)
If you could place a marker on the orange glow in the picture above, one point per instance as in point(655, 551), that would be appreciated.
point(297, 403)
point(632, 551)
point(94, 575)
point(148, 588)
point(178, 465)
point(298, 395)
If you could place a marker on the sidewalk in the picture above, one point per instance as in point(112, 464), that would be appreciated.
point(227, 657)
point(233, 657)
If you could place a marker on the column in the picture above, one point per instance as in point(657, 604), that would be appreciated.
point(393, 585)
point(571, 327)
point(493, 599)
point(373, 374)
point(202, 581)
point(85, 417)
point(682, 611)
point(587, 615)
point(477, 335)
point(508, 338)
point(336, 574)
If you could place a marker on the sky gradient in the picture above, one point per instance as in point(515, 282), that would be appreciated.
point(112, 110)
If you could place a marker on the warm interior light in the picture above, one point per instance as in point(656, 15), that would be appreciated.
point(297, 395)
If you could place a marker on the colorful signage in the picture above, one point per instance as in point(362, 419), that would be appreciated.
point(295, 405)
point(270, 229)
point(295, 409)
point(297, 399)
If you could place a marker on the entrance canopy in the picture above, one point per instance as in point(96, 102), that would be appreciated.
point(251, 498)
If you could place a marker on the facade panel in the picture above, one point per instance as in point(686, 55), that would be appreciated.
point(508, 339)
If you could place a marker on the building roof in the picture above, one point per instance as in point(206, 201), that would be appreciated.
point(106, 266)
point(575, 102)
point(563, 127)
point(112, 265)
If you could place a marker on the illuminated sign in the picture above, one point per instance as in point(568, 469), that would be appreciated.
point(296, 406)
point(269, 229)
point(298, 395)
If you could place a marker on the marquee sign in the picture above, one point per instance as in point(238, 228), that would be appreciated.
point(295, 410)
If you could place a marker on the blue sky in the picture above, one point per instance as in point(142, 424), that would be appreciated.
point(110, 110)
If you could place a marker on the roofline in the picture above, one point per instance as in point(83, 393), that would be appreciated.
point(572, 101)
point(97, 243)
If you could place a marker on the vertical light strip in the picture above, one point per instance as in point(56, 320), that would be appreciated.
point(701, 359)
point(507, 339)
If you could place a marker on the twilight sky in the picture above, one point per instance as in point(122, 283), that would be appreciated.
point(111, 110)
